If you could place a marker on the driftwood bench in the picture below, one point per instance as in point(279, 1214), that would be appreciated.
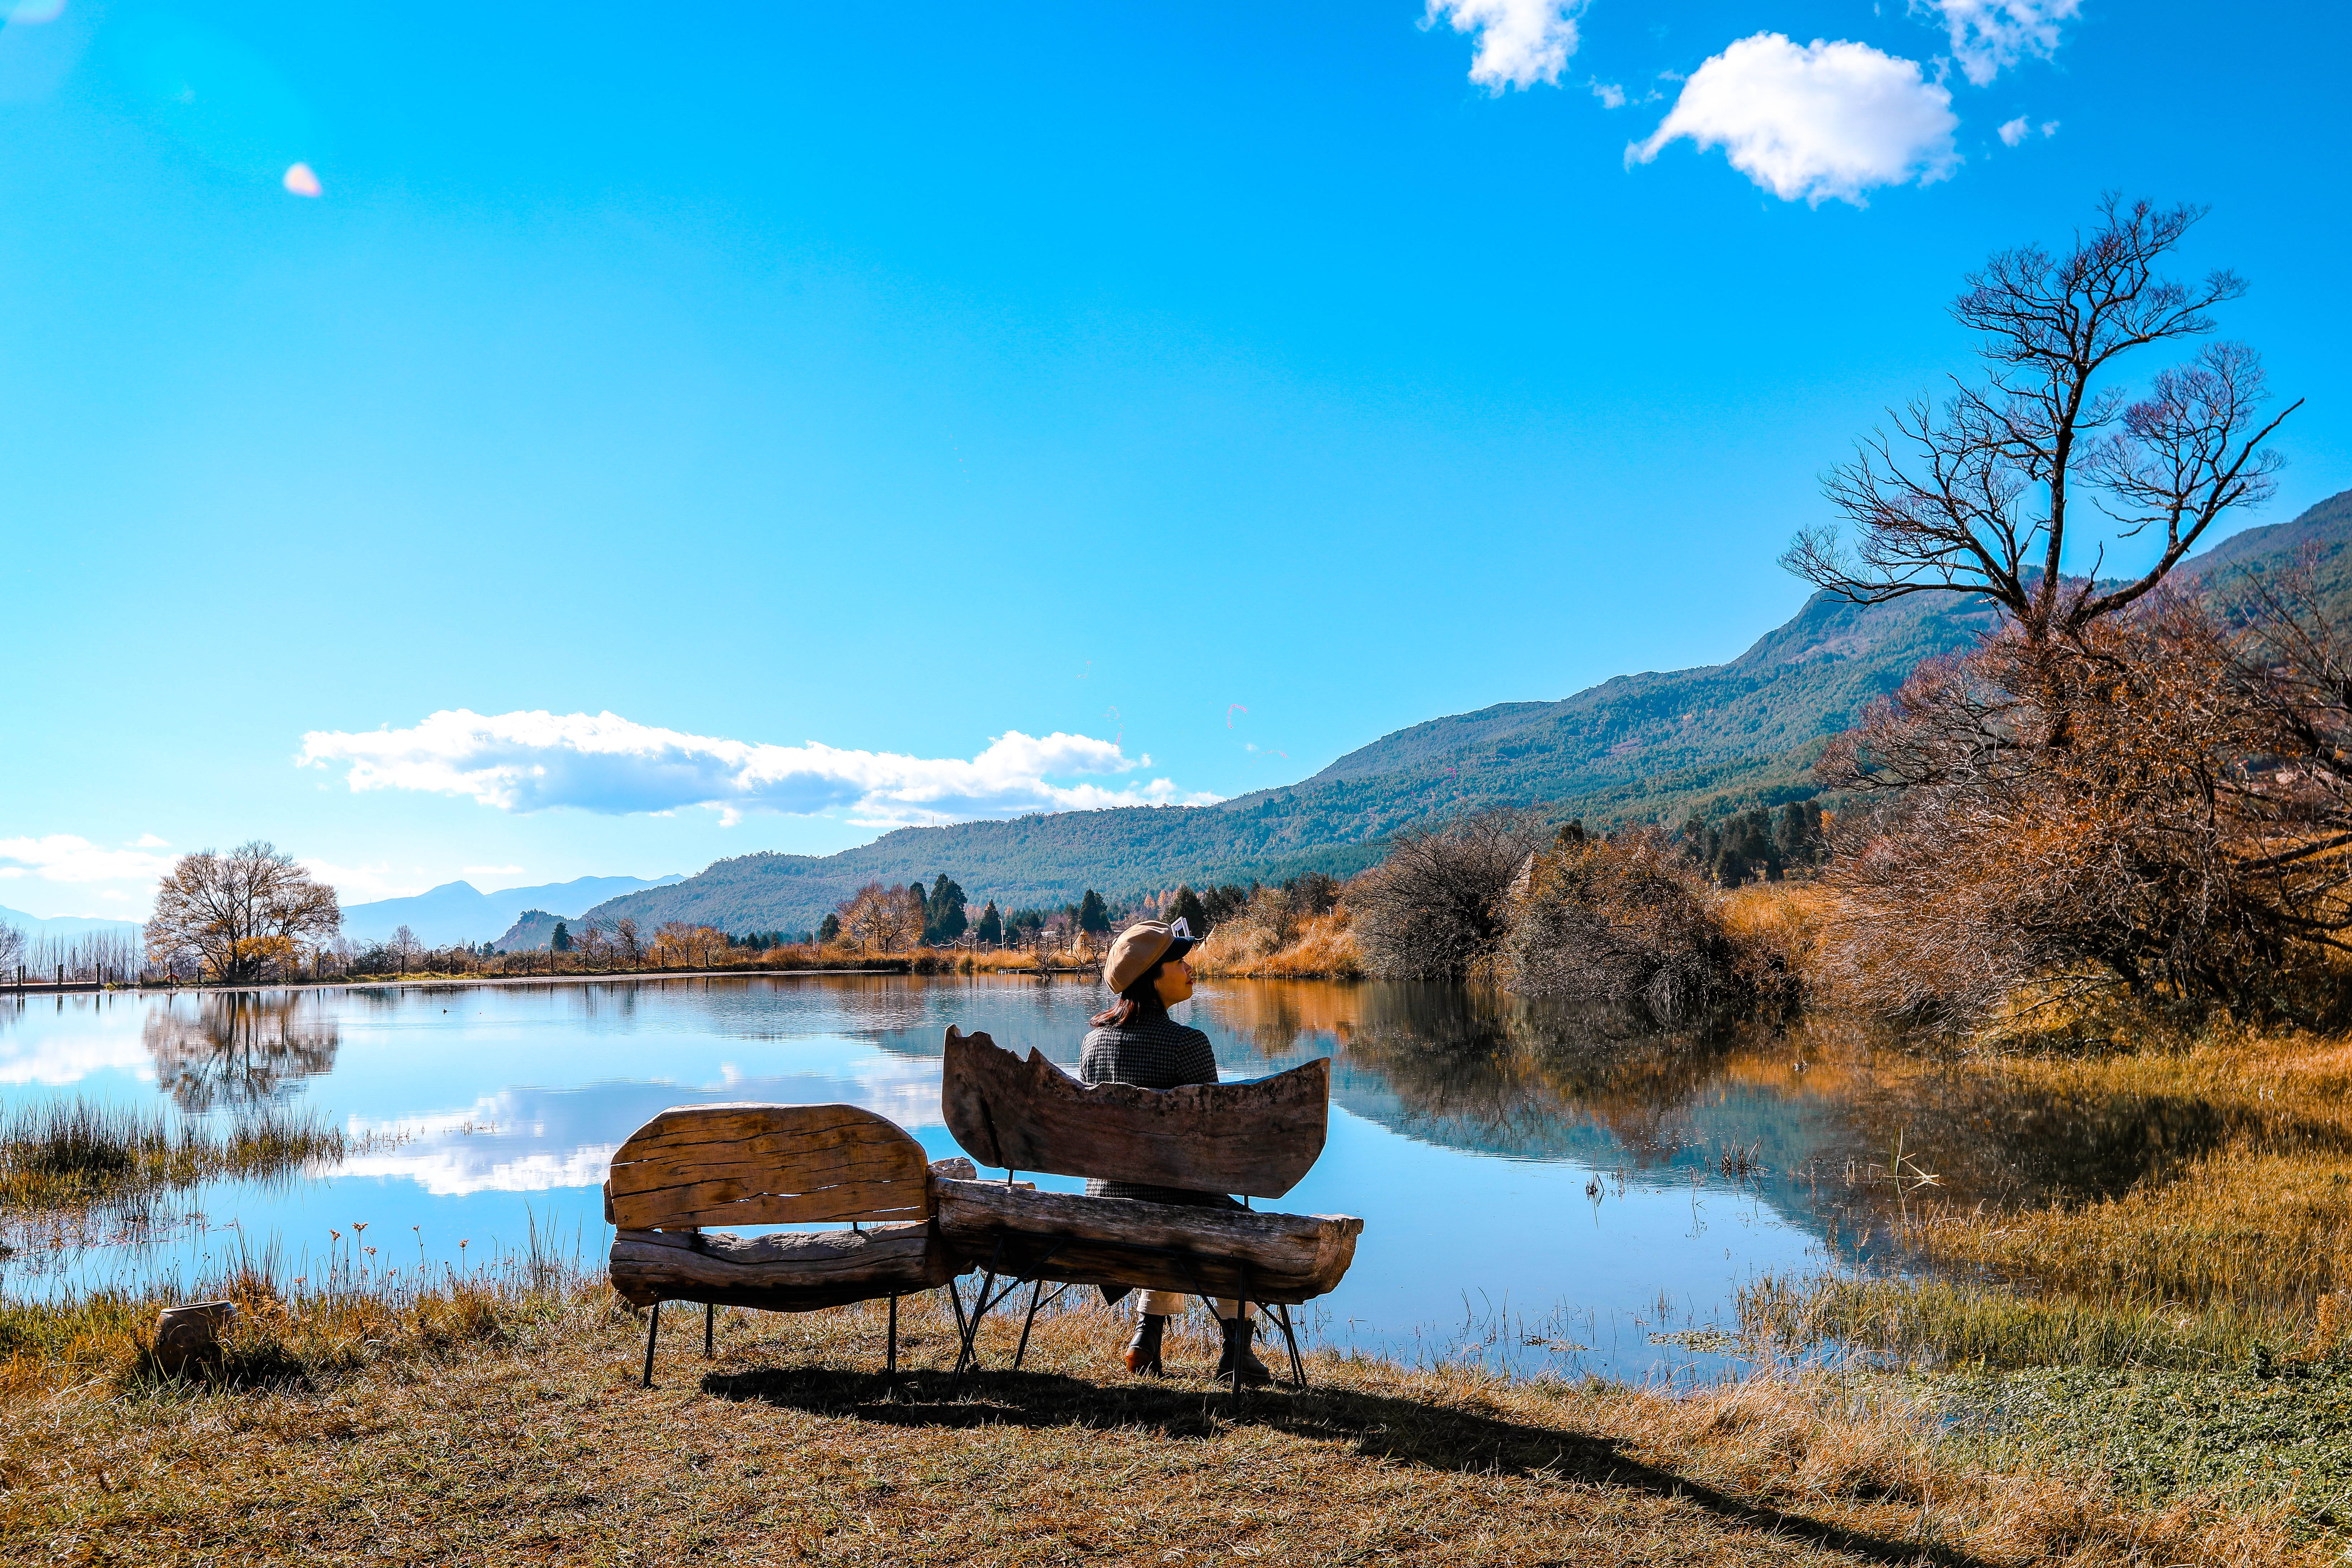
point(695, 1166)
point(1255, 1139)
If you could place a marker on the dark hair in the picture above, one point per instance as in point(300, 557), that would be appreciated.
point(1141, 995)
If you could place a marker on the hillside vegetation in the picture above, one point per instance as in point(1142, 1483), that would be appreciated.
point(1651, 747)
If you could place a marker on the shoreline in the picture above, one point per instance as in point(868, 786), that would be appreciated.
point(902, 968)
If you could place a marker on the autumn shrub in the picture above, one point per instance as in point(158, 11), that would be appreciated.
point(1438, 907)
point(1627, 919)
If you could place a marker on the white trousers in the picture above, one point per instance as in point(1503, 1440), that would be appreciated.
point(1171, 1304)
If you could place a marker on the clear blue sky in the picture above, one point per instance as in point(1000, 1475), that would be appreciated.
point(893, 380)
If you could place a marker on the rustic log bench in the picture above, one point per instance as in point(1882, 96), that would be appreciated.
point(1255, 1139)
point(697, 1165)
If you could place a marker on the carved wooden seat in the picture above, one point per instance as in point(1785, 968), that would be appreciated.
point(697, 1165)
point(1256, 1139)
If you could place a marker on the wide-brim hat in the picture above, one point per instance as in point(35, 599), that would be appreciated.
point(1141, 945)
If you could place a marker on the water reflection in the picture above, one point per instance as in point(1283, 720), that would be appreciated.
point(1535, 1154)
point(223, 1051)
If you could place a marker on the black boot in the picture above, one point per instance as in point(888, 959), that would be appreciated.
point(1237, 1351)
point(1143, 1349)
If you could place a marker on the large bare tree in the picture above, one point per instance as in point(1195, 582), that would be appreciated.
point(1977, 495)
point(243, 916)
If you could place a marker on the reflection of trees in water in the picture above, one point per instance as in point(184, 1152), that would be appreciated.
point(237, 1049)
point(1523, 1076)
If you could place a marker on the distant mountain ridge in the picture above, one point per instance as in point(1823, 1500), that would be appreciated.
point(456, 912)
point(68, 927)
point(1652, 746)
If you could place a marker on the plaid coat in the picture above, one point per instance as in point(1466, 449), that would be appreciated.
point(1150, 1050)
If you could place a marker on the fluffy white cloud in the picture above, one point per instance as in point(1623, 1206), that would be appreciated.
point(1989, 36)
point(1520, 42)
point(1821, 121)
point(2016, 131)
point(1610, 95)
point(603, 762)
point(62, 858)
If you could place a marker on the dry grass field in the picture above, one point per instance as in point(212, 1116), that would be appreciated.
point(507, 1426)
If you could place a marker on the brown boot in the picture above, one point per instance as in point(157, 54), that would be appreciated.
point(1143, 1349)
point(1238, 1350)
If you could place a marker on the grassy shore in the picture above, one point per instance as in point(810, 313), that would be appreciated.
point(502, 1422)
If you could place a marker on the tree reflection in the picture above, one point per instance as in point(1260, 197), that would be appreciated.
point(237, 1049)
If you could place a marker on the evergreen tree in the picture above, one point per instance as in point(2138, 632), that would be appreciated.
point(943, 916)
point(562, 941)
point(1189, 909)
point(830, 930)
point(1094, 917)
point(991, 929)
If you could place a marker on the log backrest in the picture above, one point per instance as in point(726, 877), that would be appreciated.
point(697, 1165)
point(1257, 1138)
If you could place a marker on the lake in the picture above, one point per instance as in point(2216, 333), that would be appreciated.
point(1544, 1189)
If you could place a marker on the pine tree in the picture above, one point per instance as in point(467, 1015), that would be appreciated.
point(943, 916)
point(1189, 909)
point(1093, 917)
point(991, 929)
point(830, 930)
point(562, 939)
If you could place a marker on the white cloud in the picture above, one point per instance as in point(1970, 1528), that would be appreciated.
point(1610, 95)
point(1826, 120)
point(364, 884)
point(603, 762)
point(2014, 131)
point(2050, 128)
point(1520, 42)
point(1989, 36)
point(63, 857)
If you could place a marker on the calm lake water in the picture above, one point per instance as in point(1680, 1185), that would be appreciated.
point(1540, 1187)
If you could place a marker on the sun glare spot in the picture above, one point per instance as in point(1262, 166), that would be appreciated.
point(302, 182)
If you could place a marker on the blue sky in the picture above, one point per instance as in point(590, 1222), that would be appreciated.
point(896, 414)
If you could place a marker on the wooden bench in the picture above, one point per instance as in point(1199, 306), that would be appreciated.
point(1256, 1139)
point(697, 1165)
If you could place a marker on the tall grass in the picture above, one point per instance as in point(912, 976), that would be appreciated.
point(343, 1313)
point(63, 1154)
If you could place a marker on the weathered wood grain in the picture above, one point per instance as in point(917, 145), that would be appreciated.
point(766, 1164)
point(793, 1272)
point(1290, 1259)
point(1257, 1138)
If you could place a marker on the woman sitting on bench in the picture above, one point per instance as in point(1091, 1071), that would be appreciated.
point(1134, 1041)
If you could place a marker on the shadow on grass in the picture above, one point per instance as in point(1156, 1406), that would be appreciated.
point(1377, 1427)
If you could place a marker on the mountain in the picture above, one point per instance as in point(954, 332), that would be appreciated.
point(1654, 747)
point(66, 928)
point(534, 931)
point(455, 912)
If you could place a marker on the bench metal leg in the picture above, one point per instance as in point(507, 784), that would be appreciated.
point(1297, 1363)
point(710, 1320)
point(652, 1328)
point(1035, 1294)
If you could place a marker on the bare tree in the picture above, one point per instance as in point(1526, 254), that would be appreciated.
point(2192, 840)
point(1974, 497)
point(405, 948)
point(242, 915)
point(627, 942)
point(12, 945)
point(881, 919)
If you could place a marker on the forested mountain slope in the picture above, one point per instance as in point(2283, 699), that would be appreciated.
point(1651, 746)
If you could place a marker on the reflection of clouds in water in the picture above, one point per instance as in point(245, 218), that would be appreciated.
point(528, 1140)
point(71, 1058)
